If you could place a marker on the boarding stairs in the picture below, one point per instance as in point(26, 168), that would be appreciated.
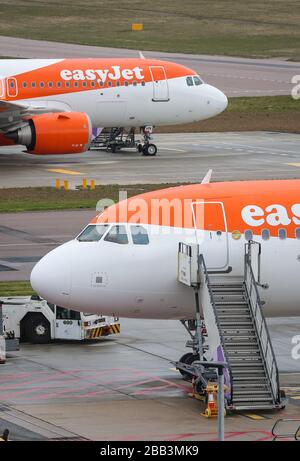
point(242, 332)
point(236, 331)
point(114, 139)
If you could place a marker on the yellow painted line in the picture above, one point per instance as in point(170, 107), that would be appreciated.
point(254, 416)
point(294, 164)
point(296, 397)
point(62, 171)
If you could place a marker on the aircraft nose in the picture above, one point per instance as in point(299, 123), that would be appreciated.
point(51, 277)
point(217, 99)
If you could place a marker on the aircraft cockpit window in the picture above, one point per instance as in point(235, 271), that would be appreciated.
point(189, 81)
point(92, 233)
point(117, 234)
point(297, 233)
point(139, 235)
point(197, 80)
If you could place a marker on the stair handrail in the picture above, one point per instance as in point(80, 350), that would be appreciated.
point(263, 326)
point(201, 261)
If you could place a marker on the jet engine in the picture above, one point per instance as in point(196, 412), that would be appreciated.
point(55, 133)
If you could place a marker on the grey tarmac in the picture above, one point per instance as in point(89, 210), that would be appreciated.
point(182, 157)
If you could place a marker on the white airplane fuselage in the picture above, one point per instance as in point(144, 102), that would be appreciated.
point(133, 280)
point(102, 93)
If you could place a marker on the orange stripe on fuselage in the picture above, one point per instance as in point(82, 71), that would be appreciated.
point(52, 73)
point(258, 196)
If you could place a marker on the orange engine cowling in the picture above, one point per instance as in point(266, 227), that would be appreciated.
point(56, 133)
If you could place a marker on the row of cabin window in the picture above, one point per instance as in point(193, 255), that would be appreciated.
point(76, 84)
point(117, 234)
point(265, 234)
point(139, 235)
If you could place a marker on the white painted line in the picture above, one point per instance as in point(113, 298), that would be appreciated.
point(29, 244)
point(172, 149)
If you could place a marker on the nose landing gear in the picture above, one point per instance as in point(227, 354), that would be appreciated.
point(147, 148)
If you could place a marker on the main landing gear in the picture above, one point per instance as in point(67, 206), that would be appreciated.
point(115, 139)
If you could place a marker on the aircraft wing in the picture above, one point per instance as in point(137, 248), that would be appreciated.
point(13, 114)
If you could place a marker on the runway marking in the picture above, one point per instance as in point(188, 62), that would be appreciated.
point(254, 416)
point(29, 244)
point(63, 171)
point(173, 149)
point(293, 164)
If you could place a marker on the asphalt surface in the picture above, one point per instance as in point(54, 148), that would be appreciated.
point(26, 237)
point(234, 76)
point(124, 387)
point(181, 157)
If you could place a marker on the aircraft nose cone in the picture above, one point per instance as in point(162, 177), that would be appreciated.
point(216, 99)
point(223, 101)
point(51, 277)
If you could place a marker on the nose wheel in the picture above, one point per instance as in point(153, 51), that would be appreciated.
point(149, 149)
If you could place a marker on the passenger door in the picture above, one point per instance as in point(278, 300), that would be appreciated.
point(210, 225)
point(12, 87)
point(160, 83)
point(2, 88)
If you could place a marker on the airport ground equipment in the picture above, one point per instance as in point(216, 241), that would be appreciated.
point(34, 319)
point(286, 428)
point(231, 328)
point(115, 139)
point(8, 342)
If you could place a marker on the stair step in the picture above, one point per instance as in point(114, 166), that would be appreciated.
point(254, 399)
point(246, 379)
point(242, 353)
point(239, 336)
point(227, 284)
point(260, 393)
point(229, 297)
point(249, 387)
point(233, 310)
point(235, 316)
point(235, 321)
point(244, 343)
point(258, 406)
point(235, 360)
point(231, 303)
point(248, 374)
point(243, 364)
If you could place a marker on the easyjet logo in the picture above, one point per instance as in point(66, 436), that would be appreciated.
point(101, 75)
point(274, 215)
